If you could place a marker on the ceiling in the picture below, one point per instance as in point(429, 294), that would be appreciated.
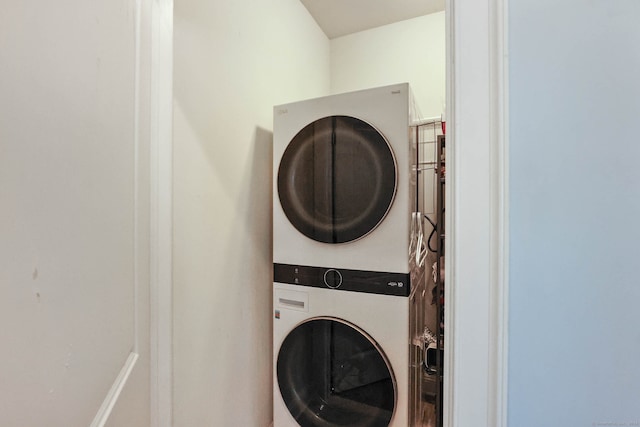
point(341, 17)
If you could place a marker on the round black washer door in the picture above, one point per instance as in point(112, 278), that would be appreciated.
point(337, 179)
point(332, 374)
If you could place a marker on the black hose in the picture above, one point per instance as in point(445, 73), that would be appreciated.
point(431, 234)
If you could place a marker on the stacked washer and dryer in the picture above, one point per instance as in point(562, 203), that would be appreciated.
point(349, 288)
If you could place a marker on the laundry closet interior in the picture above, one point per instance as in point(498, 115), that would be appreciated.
point(358, 251)
point(333, 222)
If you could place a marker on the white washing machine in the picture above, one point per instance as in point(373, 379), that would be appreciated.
point(345, 180)
point(345, 359)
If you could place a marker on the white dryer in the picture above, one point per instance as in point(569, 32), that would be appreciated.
point(343, 359)
point(345, 180)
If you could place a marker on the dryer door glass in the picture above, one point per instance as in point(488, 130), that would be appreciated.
point(337, 179)
point(332, 374)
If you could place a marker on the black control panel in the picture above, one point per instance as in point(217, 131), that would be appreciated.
point(373, 282)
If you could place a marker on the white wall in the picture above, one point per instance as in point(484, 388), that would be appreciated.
point(408, 51)
point(69, 219)
point(233, 62)
point(575, 203)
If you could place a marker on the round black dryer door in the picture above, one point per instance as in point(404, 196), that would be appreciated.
point(337, 179)
point(332, 374)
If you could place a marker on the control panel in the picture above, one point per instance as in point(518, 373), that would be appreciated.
point(375, 282)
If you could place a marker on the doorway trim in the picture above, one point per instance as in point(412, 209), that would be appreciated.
point(161, 227)
point(476, 313)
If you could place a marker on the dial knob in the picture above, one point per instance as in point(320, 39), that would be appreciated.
point(332, 278)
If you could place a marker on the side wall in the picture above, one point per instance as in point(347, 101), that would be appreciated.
point(233, 62)
point(408, 51)
point(73, 211)
point(575, 203)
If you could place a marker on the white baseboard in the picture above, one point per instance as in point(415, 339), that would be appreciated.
point(114, 393)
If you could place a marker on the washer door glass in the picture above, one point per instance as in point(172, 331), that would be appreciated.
point(337, 179)
point(332, 374)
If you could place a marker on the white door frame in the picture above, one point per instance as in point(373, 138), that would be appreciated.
point(476, 217)
point(161, 254)
point(476, 278)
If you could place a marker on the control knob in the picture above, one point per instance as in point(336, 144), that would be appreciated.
point(332, 278)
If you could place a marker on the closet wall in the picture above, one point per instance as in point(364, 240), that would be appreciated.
point(233, 62)
point(408, 51)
